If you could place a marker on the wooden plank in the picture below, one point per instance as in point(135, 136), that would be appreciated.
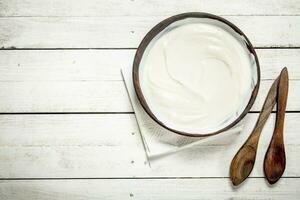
point(190, 189)
point(92, 65)
point(92, 96)
point(128, 31)
point(68, 65)
point(144, 7)
point(55, 77)
point(208, 159)
point(61, 96)
point(68, 130)
point(293, 96)
point(273, 60)
point(69, 146)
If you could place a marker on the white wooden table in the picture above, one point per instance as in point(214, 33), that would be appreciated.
point(67, 129)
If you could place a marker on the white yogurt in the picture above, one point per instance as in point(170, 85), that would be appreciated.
point(197, 75)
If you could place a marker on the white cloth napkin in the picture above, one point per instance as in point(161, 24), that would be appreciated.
point(158, 141)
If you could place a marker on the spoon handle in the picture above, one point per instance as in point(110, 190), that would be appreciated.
point(275, 160)
point(243, 162)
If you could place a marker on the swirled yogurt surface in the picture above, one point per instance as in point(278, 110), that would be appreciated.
point(197, 75)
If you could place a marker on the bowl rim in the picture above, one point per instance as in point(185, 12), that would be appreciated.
point(154, 32)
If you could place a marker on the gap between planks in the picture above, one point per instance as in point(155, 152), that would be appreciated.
point(98, 113)
point(12, 48)
point(68, 113)
point(134, 178)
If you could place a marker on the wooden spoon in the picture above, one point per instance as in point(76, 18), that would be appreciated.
point(243, 162)
point(274, 163)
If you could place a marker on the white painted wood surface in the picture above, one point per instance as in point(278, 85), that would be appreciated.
point(104, 65)
point(92, 79)
point(163, 189)
point(101, 155)
point(60, 146)
point(145, 8)
point(92, 96)
point(128, 31)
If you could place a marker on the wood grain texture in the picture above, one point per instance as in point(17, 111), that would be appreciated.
point(86, 146)
point(91, 96)
point(128, 31)
point(244, 160)
point(92, 79)
point(275, 159)
point(190, 189)
point(99, 65)
point(61, 96)
point(144, 7)
point(109, 146)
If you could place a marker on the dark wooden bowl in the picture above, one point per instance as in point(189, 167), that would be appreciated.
point(155, 31)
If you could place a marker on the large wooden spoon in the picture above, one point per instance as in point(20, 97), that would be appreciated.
point(274, 163)
point(243, 162)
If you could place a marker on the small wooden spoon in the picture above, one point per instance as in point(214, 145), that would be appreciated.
point(243, 162)
point(274, 163)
